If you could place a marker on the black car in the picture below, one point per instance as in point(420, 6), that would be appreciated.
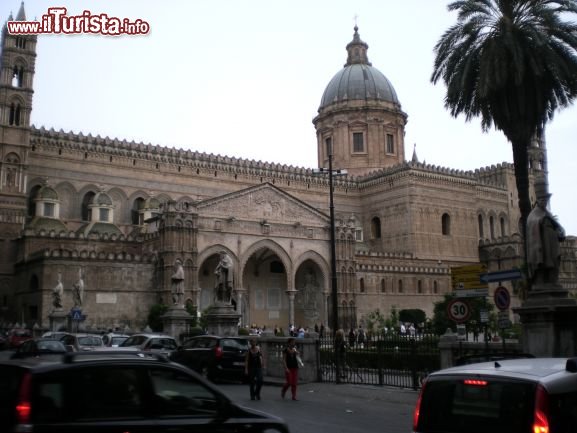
point(216, 358)
point(39, 347)
point(115, 392)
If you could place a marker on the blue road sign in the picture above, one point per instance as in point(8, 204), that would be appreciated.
point(491, 277)
point(502, 298)
point(76, 314)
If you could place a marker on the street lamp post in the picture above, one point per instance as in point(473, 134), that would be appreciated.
point(335, 302)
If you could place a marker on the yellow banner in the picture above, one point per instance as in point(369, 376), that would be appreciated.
point(468, 277)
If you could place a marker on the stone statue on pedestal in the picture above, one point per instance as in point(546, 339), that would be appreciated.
point(224, 279)
point(57, 293)
point(78, 290)
point(544, 234)
point(178, 283)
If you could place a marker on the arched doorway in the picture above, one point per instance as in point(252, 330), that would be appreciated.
point(309, 298)
point(264, 279)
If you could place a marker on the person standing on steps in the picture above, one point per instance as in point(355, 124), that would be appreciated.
point(253, 367)
point(291, 368)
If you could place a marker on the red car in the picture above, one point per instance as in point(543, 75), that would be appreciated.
point(18, 336)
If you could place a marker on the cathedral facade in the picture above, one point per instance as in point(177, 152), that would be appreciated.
point(118, 215)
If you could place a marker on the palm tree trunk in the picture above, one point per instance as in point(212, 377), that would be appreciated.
point(521, 163)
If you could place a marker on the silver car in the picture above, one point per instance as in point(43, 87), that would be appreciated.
point(158, 343)
point(536, 395)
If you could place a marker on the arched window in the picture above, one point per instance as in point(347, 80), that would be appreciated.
point(419, 286)
point(14, 118)
point(85, 211)
point(480, 221)
point(446, 224)
point(17, 76)
point(400, 286)
point(376, 228)
point(362, 285)
point(492, 227)
point(435, 287)
point(137, 216)
point(503, 230)
point(383, 286)
point(31, 202)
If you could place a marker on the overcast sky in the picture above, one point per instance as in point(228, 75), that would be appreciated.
point(244, 78)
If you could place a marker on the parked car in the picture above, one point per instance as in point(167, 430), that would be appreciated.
point(530, 395)
point(17, 336)
point(82, 342)
point(55, 335)
point(114, 340)
point(158, 343)
point(217, 358)
point(39, 348)
point(118, 391)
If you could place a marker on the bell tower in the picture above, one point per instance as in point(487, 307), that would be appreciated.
point(17, 61)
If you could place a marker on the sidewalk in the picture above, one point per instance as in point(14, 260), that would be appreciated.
point(348, 390)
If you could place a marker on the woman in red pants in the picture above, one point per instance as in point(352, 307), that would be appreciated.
point(291, 367)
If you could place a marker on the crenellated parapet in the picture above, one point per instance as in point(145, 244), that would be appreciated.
point(85, 254)
point(208, 163)
point(200, 161)
point(429, 172)
point(503, 240)
point(71, 235)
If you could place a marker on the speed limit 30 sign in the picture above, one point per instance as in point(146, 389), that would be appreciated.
point(458, 310)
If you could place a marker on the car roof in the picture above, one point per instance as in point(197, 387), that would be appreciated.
point(547, 371)
point(152, 335)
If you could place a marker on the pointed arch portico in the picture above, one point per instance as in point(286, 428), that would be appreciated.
point(312, 285)
point(266, 271)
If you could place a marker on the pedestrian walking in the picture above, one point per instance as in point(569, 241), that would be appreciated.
point(340, 350)
point(291, 368)
point(253, 367)
point(352, 337)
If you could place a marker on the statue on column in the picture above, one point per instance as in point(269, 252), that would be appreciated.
point(178, 283)
point(57, 293)
point(224, 279)
point(78, 290)
point(544, 234)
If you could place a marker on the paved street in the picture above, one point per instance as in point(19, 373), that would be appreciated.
point(328, 407)
point(335, 408)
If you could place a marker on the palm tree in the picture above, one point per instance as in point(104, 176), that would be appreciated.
point(513, 63)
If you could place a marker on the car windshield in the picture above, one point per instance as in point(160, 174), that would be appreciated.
point(90, 341)
point(234, 344)
point(115, 341)
point(50, 346)
point(477, 406)
point(135, 340)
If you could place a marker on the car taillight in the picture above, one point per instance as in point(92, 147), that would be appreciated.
point(218, 352)
point(475, 382)
point(23, 406)
point(418, 407)
point(540, 416)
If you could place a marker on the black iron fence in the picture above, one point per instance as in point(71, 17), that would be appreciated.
point(393, 360)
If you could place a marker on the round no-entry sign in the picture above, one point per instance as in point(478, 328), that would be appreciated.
point(458, 310)
point(502, 298)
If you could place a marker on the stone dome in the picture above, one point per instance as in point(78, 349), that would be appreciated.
point(102, 199)
point(47, 193)
point(358, 80)
point(151, 203)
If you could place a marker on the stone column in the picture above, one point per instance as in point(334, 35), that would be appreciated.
point(291, 296)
